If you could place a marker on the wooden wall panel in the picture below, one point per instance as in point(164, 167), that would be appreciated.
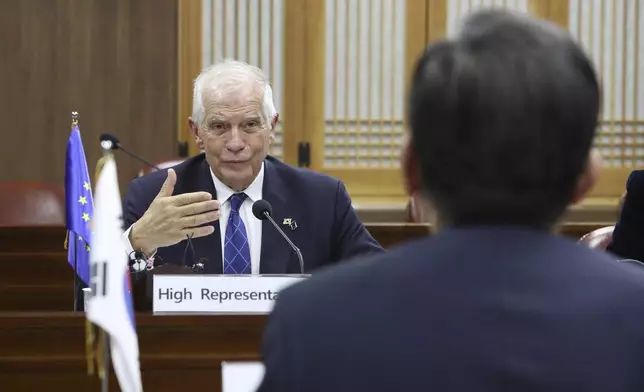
point(189, 66)
point(113, 61)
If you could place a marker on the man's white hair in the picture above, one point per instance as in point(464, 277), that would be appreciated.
point(228, 76)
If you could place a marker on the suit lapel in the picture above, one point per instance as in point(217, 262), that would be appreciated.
point(276, 254)
point(208, 247)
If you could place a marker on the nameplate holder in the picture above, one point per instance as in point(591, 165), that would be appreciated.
point(218, 294)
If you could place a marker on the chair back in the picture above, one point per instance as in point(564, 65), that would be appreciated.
point(599, 238)
point(161, 165)
point(31, 204)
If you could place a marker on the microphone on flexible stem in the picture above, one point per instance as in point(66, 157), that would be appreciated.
point(262, 211)
point(197, 266)
point(111, 142)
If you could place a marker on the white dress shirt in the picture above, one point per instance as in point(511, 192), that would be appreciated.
point(253, 225)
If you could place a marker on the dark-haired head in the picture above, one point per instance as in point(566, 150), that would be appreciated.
point(502, 122)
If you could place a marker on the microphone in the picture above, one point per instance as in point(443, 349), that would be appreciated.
point(197, 266)
point(111, 142)
point(262, 211)
point(137, 265)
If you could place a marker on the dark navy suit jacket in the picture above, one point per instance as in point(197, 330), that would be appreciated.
point(471, 309)
point(328, 229)
point(628, 237)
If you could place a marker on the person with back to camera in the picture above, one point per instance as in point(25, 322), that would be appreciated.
point(502, 118)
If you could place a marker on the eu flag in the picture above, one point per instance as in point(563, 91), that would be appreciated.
point(80, 205)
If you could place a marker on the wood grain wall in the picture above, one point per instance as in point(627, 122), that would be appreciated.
point(113, 61)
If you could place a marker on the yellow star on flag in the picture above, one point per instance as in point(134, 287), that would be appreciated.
point(83, 200)
point(87, 247)
point(80, 238)
point(85, 216)
point(86, 186)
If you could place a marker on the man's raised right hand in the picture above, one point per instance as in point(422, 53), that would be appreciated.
point(170, 219)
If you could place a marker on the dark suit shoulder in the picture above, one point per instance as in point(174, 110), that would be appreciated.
point(626, 241)
point(634, 192)
point(362, 274)
point(635, 187)
point(470, 257)
point(635, 181)
point(301, 175)
point(152, 182)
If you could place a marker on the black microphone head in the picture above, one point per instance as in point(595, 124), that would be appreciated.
point(106, 137)
point(261, 208)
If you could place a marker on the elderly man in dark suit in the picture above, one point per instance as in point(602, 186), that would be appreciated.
point(502, 121)
point(209, 197)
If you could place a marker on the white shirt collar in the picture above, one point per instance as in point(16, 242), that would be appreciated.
point(254, 190)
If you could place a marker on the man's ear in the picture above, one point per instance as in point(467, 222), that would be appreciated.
point(275, 121)
point(589, 177)
point(273, 127)
point(410, 168)
point(194, 129)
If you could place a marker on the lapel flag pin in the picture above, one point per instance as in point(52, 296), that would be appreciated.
point(290, 222)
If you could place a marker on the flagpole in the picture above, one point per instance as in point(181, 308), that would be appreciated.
point(73, 235)
point(104, 336)
point(106, 361)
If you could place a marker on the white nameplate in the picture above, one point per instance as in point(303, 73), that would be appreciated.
point(219, 294)
point(241, 376)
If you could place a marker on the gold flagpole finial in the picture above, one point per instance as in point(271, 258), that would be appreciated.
point(74, 118)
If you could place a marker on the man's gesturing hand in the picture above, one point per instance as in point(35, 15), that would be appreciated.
point(169, 219)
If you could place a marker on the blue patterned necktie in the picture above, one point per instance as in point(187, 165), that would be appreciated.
point(236, 248)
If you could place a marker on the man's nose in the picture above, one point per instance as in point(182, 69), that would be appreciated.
point(235, 144)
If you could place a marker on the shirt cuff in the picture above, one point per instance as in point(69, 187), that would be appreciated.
point(128, 246)
point(126, 241)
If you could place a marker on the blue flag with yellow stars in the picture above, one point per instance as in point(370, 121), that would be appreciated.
point(80, 205)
